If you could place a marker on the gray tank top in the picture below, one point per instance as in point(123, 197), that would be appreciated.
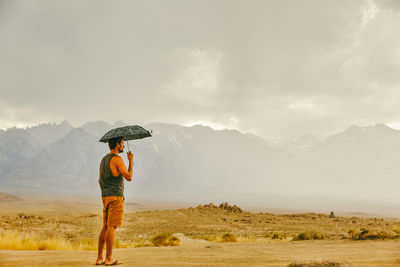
point(111, 186)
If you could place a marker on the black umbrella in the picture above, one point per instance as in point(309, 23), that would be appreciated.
point(127, 133)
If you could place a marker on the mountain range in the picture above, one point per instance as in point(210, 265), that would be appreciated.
point(197, 163)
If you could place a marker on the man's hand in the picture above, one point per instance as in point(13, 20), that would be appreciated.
point(130, 156)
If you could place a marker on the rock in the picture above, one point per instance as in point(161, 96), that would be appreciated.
point(222, 206)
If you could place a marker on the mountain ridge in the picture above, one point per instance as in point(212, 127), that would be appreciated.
point(187, 160)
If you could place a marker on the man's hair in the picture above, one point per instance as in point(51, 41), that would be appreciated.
point(112, 143)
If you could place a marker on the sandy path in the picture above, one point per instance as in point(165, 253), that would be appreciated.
point(274, 253)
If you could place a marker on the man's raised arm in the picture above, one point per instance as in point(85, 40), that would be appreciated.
point(127, 173)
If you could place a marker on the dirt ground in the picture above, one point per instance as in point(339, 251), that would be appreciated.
point(204, 253)
point(264, 239)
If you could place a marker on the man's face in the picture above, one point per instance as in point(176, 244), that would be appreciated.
point(121, 146)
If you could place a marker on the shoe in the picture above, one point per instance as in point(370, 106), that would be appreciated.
point(101, 263)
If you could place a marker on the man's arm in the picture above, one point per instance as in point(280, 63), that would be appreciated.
point(127, 173)
point(99, 177)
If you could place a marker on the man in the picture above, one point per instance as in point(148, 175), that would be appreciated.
point(111, 173)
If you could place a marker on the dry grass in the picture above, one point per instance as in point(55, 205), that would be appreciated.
point(309, 235)
point(31, 241)
point(210, 222)
point(12, 240)
point(228, 238)
point(165, 239)
point(266, 236)
point(275, 235)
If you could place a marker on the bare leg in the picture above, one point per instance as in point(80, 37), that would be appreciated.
point(110, 242)
point(102, 239)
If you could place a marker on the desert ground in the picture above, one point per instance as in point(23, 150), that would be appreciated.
point(64, 233)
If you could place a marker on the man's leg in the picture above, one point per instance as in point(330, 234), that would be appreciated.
point(110, 242)
point(102, 239)
point(114, 220)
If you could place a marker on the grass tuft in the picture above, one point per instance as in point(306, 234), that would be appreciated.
point(309, 235)
point(30, 241)
point(165, 239)
point(325, 263)
point(228, 238)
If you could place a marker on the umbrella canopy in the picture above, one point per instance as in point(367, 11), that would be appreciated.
point(127, 133)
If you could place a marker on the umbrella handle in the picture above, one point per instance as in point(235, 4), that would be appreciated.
point(127, 141)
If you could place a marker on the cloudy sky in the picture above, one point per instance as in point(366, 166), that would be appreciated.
point(273, 68)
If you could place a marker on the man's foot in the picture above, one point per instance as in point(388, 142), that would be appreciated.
point(115, 262)
point(100, 262)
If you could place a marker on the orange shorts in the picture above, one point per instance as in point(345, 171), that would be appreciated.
point(113, 210)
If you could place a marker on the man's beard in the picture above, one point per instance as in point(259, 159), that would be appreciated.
point(121, 150)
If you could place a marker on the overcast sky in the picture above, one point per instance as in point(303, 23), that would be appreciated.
point(273, 68)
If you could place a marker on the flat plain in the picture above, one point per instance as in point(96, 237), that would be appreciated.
point(64, 233)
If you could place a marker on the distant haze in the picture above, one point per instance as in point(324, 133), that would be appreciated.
point(352, 170)
point(276, 69)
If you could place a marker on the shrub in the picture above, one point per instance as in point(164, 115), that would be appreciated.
point(309, 235)
point(374, 235)
point(165, 239)
point(228, 238)
point(267, 235)
point(278, 236)
point(325, 263)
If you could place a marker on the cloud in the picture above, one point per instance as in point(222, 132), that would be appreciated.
point(197, 83)
point(21, 117)
point(279, 68)
point(388, 4)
